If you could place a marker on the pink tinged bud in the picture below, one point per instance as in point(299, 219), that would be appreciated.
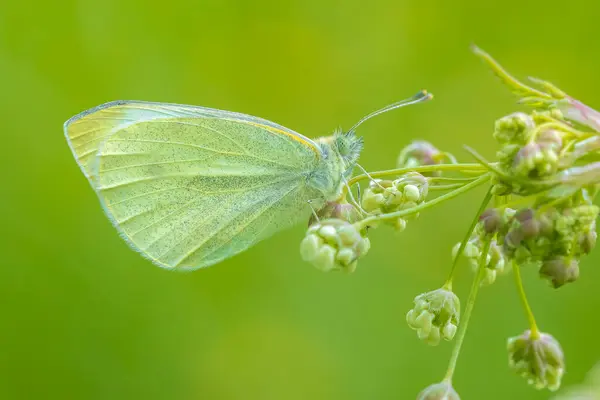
point(530, 227)
point(550, 138)
point(491, 220)
point(577, 111)
point(560, 270)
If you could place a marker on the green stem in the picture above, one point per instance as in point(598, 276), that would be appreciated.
point(423, 168)
point(463, 244)
point(402, 213)
point(446, 187)
point(462, 330)
point(535, 332)
point(434, 179)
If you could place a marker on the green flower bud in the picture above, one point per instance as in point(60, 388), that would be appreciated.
point(382, 197)
point(333, 244)
point(411, 192)
point(496, 260)
point(436, 315)
point(560, 270)
point(539, 360)
point(400, 225)
point(514, 128)
point(439, 391)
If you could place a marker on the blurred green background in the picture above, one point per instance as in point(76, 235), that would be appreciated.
point(83, 317)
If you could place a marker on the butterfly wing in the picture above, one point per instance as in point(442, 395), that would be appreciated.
point(188, 186)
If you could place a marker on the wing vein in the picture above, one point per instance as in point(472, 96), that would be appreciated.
point(207, 238)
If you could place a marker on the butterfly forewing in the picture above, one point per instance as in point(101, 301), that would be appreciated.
point(188, 189)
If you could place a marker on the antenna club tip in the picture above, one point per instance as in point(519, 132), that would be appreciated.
point(424, 94)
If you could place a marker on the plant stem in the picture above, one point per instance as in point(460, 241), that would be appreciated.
point(463, 244)
point(462, 330)
point(473, 167)
point(402, 213)
point(446, 187)
point(434, 179)
point(535, 332)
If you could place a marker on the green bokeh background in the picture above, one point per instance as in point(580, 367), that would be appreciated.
point(83, 317)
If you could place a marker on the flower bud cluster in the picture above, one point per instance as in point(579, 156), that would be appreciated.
point(531, 149)
point(528, 150)
point(334, 244)
point(435, 316)
point(540, 359)
point(490, 222)
point(385, 196)
point(554, 238)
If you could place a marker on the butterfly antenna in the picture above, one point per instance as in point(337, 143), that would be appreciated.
point(420, 97)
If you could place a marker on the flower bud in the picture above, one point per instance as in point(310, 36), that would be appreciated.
point(550, 138)
point(540, 360)
point(535, 160)
point(334, 210)
point(333, 244)
point(419, 152)
point(413, 185)
point(513, 128)
point(560, 270)
point(436, 315)
point(491, 220)
point(587, 239)
point(529, 226)
point(382, 197)
point(439, 391)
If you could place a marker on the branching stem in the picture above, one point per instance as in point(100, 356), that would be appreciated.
point(462, 329)
point(463, 244)
point(403, 213)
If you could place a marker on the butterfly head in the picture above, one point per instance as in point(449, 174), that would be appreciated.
point(348, 146)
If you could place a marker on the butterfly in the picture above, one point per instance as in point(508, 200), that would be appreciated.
point(190, 186)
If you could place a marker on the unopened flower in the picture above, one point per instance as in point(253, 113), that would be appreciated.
point(333, 245)
point(419, 152)
point(560, 270)
point(514, 128)
point(435, 315)
point(491, 222)
point(536, 160)
point(439, 391)
point(384, 196)
point(336, 210)
point(540, 360)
